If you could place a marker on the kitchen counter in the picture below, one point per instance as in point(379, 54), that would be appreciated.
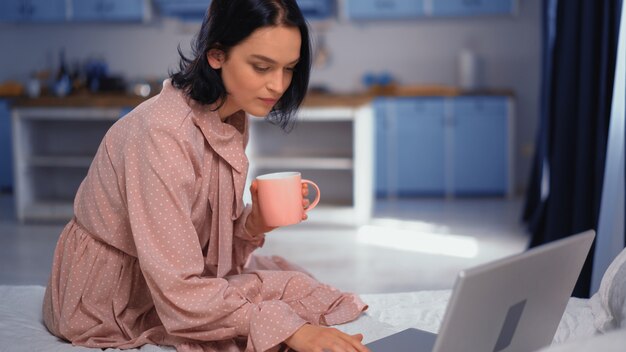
point(104, 100)
point(336, 100)
point(107, 100)
point(121, 100)
point(355, 100)
point(55, 140)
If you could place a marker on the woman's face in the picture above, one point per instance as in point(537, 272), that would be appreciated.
point(257, 71)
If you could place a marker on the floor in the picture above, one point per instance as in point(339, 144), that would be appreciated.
point(410, 245)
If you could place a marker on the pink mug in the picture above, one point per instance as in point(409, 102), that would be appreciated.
point(280, 198)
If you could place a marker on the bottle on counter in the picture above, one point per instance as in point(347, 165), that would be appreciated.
point(76, 77)
point(63, 83)
point(62, 65)
point(469, 70)
point(33, 86)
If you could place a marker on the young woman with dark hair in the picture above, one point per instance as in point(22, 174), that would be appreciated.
point(225, 27)
point(160, 247)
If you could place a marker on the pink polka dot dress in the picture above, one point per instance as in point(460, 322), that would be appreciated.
point(157, 252)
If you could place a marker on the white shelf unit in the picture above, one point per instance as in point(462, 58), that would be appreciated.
point(53, 148)
point(332, 146)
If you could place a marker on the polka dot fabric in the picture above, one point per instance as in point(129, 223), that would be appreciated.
point(157, 252)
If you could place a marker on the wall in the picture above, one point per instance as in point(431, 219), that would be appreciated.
point(416, 52)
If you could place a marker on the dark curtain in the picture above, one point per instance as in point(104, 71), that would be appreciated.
point(565, 186)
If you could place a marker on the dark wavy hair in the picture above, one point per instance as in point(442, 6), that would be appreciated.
point(226, 24)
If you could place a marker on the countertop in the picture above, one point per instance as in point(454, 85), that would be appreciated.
point(112, 100)
point(121, 100)
point(102, 100)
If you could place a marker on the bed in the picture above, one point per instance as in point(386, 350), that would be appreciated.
point(595, 324)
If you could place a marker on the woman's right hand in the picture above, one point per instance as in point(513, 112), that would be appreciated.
point(255, 224)
point(312, 338)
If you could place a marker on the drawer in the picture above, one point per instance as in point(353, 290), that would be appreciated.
point(32, 10)
point(472, 7)
point(384, 9)
point(109, 10)
point(316, 9)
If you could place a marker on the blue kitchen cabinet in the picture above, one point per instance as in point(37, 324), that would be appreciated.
point(383, 9)
point(194, 10)
point(108, 10)
point(189, 10)
point(420, 135)
point(410, 157)
point(480, 149)
point(473, 7)
point(33, 10)
point(6, 164)
point(430, 146)
point(316, 9)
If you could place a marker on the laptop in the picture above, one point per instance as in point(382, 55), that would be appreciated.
point(511, 304)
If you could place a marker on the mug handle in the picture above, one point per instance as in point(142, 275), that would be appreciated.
point(317, 196)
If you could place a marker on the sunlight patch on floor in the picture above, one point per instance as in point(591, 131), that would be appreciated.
point(417, 236)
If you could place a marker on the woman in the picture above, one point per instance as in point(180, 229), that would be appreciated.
point(159, 250)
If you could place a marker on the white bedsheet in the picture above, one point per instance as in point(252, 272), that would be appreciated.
point(21, 327)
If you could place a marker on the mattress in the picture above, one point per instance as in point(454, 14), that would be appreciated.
point(22, 329)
